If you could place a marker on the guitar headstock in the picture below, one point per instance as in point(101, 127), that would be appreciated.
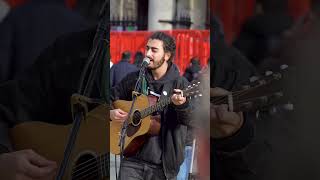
point(193, 90)
point(268, 92)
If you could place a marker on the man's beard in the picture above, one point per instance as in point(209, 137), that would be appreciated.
point(158, 64)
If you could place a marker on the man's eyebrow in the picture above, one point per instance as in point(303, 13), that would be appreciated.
point(154, 48)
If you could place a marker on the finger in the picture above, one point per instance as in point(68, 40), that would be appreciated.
point(38, 172)
point(121, 111)
point(177, 90)
point(226, 117)
point(120, 118)
point(118, 115)
point(38, 160)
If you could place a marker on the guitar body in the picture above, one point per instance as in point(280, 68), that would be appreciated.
point(136, 135)
point(50, 140)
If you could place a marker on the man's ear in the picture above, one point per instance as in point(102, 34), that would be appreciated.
point(167, 56)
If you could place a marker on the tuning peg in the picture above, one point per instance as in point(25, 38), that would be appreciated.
point(282, 108)
point(263, 98)
point(284, 66)
point(245, 87)
point(261, 82)
point(288, 107)
point(200, 95)
point(268, 73)
point(253, 78)
point(277, 76)
point(273, 110)
point(278, 94)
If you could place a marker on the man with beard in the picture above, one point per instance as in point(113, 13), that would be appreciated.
point(162, 154)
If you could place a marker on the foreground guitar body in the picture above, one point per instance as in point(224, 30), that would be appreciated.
point(136, 135)
point(88, 159)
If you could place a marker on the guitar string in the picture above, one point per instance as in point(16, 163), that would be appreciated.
point(90, 171)
point(86, 162)
point(89, 163)
point(221, 99)
point(237, 102)
point(85, 172)
point(245, 91)
point(88, 177)
point(236, 94)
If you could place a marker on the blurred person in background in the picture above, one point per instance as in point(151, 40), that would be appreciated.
point(192, 72)
point(30, 28)
point(138, 58)
point(120, 70)
point(262, 34)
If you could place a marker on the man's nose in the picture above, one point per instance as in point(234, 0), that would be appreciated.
point(148, 53)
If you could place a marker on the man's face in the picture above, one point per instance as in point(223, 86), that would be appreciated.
point(155, 52)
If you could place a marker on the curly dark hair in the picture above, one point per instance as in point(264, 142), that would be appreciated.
point(169, 44)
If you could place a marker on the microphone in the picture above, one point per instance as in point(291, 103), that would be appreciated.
point(145, 62)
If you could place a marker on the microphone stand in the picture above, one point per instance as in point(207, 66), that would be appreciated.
point(78, 101)
point(126, 122)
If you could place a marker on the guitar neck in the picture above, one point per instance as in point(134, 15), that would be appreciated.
point(157, 107)
point(249, 101)
point(191, 90)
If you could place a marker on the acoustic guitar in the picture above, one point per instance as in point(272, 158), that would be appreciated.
point(89, 159)
point(140, 124)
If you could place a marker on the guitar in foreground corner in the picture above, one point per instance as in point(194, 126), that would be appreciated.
point(267, 93)
point(141, 124)
point(89, 159)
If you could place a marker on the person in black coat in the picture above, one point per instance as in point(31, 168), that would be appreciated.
point(120, 70)
point(262, 35)
point(161, 155)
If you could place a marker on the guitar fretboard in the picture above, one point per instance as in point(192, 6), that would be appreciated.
point(157, 107)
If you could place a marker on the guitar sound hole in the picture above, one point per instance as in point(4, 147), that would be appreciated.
point(136, 118)
point(86, 168)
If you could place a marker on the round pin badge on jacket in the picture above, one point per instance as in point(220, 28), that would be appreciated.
point(165, 93)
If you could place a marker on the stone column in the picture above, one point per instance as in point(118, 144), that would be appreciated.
point(160, 10)
point(198, 10)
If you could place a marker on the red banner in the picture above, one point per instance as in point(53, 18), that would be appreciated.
point(189, 43)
